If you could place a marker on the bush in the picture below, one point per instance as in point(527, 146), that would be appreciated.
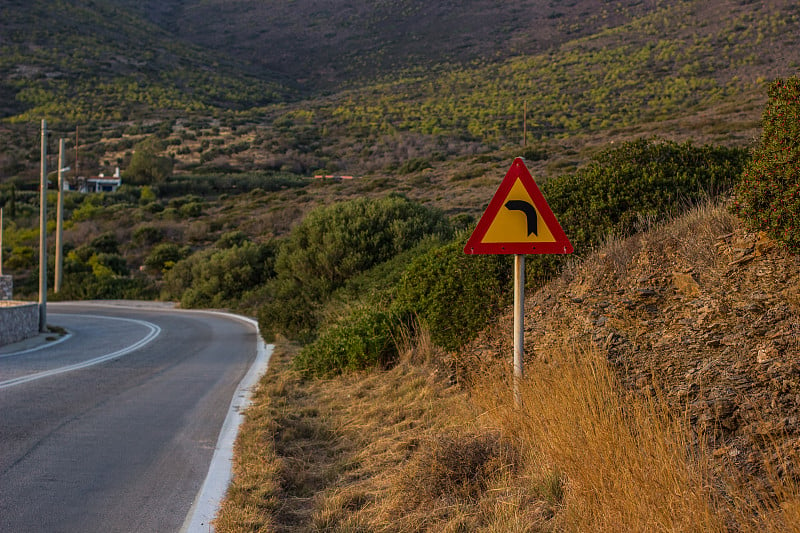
point(638, 179)
point(106, 243)
point(219, 278)
point(87, 286)
point(191, 210)
point(453, 294)
point(164, 256)
point(21, 258)
point(108, 265)
point(768, 195)
point(146, 235)
point(231, 239)
point(364, 339)
point(147, 166)
point(333, 244)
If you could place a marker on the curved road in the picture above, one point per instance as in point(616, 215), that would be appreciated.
point(113, 428)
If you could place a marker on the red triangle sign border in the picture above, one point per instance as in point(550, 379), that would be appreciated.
point(518, 172)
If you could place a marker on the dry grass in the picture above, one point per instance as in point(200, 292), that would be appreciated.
point(623, 460)
point(626, 462)
point(407, 450)
point(404, 450)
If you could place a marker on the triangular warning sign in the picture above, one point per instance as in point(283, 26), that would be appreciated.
point(518, 220)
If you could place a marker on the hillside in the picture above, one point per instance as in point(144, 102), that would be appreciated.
point(246, 87)
point(696, 316)
point(325, 45)
point(80, 61)
point(699, 311)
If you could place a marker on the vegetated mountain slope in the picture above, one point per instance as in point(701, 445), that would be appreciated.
point(95, 59)
point(335, 41)
point(589, 74)
point(699, 311)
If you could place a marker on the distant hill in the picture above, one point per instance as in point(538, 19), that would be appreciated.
point(335, 41)
point(98, 59)
point(357, 87)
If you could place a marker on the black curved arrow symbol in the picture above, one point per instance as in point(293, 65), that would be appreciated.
point(530, 213)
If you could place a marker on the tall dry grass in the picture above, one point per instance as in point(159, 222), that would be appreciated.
point(626, 462)
point(403, 451)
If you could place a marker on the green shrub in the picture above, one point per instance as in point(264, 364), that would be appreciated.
point(87, 286)
point(231, 239)
point(106, 243)
point(147, 166)
point(219, 278)
point(21, 258)
point(164, 256)
point(191, 210)
point(147, 195)
point(638, 179)
point(146, 235)
point(87, 211)
point(364, 339)
point(108, 265)
point(414, 165)
point(768, 195)
point(454, 294)
point(333, 244)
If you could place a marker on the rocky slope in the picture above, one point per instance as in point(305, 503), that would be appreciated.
point(699, 312)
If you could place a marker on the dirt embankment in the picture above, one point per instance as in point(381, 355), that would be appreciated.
point(700, 311)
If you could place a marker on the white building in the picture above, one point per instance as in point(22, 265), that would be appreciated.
point(99, 183)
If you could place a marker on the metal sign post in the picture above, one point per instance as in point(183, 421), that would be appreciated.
point(519, 325)
point(518, 221)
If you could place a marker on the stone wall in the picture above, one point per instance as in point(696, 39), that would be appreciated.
point(18, 321)
point(6, 287)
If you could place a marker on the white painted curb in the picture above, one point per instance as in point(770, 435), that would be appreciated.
point(207, 502)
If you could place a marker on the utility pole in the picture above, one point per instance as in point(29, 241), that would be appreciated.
point(43, 234)
point(1, 241)
point(59, 217)
point(525, 125)
point(76, 153)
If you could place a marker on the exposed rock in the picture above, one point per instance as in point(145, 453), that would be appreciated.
point(685, 284)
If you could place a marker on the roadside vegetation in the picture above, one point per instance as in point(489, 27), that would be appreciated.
point(583, 451)
point(387, 405)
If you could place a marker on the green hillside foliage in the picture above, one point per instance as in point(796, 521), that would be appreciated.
point(768, 195)
point(83, 61)
point(98, 271)
point(333, 244)
point(218, 111)
point(639, 181)
point(365, 339)
point(147, 167)
point(221, 276)
point(453, 294)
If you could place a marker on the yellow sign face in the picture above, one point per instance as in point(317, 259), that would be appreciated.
point(514, 224)
point(518, 220)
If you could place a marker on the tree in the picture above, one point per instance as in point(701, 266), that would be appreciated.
point(147, 166)
point(768, 194)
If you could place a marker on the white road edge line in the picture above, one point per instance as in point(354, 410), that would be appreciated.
point(154, 332)
point(37, 348)
point(206, 504)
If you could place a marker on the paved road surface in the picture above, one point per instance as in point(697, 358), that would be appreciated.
point(96, 436)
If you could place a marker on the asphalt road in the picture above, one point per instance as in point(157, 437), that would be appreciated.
point(114, 428)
